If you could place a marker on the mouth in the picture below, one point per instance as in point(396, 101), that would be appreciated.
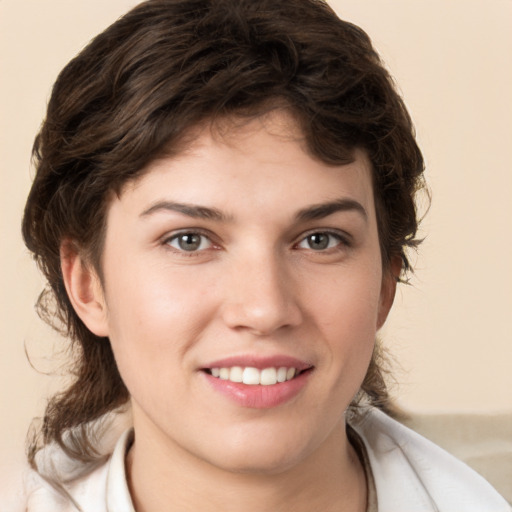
point(258, 382)
point(251, 376)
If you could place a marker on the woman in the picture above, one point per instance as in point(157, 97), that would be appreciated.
point(223, 202)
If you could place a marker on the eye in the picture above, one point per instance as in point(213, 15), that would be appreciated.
point(320, 241)
point(189, 242)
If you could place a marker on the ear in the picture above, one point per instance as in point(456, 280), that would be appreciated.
point(388, 289)
point(84, 289)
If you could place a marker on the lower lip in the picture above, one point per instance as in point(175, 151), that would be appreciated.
point(259, 397)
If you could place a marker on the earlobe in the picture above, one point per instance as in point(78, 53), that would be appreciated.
point(388, 290)
point(84, 289)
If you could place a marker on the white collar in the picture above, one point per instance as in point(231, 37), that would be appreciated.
point(118, 494)
point(413, 474)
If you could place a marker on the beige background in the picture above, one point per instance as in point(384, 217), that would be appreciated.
point(451, 330)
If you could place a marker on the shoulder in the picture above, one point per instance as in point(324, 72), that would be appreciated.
point(82, 494)
point(412, 473)
point(64, 485)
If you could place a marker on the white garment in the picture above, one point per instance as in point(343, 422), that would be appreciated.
point(411, 475)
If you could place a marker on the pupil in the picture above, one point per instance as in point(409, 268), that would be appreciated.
point(318, 241)
point(189, 242)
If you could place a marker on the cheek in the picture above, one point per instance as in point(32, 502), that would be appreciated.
point(350, 303)
point(346, 314)
point(150, 331)
point(153, 320)
point(148, 296)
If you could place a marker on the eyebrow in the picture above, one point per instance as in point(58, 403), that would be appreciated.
point(319, 211)
point(197, 212)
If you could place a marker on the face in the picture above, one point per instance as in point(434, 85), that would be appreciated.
point(242, 292)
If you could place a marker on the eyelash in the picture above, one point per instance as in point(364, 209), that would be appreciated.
point(191, 232)
point(342, 241)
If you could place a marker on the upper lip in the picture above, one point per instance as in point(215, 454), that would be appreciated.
point(260, 362)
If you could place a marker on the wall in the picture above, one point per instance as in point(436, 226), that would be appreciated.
point(450, 330)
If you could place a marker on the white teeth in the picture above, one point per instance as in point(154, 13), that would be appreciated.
point(281, 374)
point(236, 374)
point(253, 376)
point(268, 377)
point(290, 373)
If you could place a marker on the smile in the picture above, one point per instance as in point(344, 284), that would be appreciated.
point(254, 376)
point(256, 381)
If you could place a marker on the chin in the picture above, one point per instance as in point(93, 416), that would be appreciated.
point(260, 463)
point(264, 453)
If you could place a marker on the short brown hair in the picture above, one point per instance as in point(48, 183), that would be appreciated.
point(162, 69)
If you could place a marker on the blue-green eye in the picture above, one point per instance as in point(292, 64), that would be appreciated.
point(189, 242)
point(320, 241)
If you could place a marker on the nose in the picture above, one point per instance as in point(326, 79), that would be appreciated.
point(261, 296)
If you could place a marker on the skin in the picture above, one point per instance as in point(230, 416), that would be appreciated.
point(256, 285)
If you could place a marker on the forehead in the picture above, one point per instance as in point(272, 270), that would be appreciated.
point(237, 156)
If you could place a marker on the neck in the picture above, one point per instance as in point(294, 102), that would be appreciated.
point(329, 479)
